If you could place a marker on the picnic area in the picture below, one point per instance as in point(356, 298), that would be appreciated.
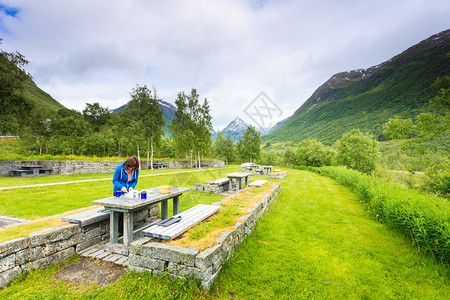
point(311, 241)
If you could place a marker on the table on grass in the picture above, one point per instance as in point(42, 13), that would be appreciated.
point(238, 176)
point(127, 206)
point(267, 169)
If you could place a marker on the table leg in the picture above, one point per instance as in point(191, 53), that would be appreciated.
point(238, 184)
point(246, 181)
point(114, 227)
point(127, 228)
point(175, 205)
point(230, 185)
point(164, 209)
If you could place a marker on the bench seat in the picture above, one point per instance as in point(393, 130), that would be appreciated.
point(220, 181)
point(189, 218)
point(22, 173)
point(88, 217)
point(257, 183)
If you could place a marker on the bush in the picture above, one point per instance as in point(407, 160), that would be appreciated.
point(424, 218)
point(357, 151)
point(313, 153)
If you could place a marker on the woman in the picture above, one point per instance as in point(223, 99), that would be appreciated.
point(126, 175)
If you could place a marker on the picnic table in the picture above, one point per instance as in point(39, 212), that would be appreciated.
point(267, 169)
point(159, 166)
point(238, 176)
point(30, 171)
point(127, 206)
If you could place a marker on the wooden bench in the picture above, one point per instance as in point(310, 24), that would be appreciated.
point(43, 172)
point(189, 218)
point(257, 183)
point(221, 181)
point(88, 217)
point(22, 173)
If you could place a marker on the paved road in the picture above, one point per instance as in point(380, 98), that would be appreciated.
point(89, 180)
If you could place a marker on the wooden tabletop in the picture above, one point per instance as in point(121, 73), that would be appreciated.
point(153, 196)
point(238, 174)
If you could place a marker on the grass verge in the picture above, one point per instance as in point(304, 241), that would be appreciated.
point(204, 235)
point(425, 219)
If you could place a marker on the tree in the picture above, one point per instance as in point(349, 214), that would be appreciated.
point(289, 157)
point(224, 147)
point(12, 102)
point(69, 125)
point(251, 144)
point(96, 115)
point(191, 128)
point(313, 153)
point(358, 151)
point(145, 108)
point(430, 131)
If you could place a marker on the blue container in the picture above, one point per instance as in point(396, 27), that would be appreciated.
point(118, 193)
point(144, 195)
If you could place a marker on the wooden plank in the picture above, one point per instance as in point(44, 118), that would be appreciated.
point(177, 230)
point(189, 217)
point(88, 217)
point(257, 183)
point(220, 181)
point(121, 260)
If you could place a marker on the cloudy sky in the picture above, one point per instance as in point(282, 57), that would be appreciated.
point(85, 51)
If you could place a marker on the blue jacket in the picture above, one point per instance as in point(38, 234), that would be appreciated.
point(120, 178)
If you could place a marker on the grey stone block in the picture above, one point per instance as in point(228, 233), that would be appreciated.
point(53, 234)
point(12, 246)
point(7, 262)
point(7, 276)
point(49, 260)
point(96, 232)
point(88, 243)
point(207, 257)
point(146, 262)
point(138, 269)
point(136, 246)
point(170, 253)
point(207, 283)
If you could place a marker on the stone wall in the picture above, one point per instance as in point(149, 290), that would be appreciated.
point(179, 262)
point(69, 167)
point(208, 188)
point(277, 175)
point(53, 245)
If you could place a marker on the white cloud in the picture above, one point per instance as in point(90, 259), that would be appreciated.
point(85, 51)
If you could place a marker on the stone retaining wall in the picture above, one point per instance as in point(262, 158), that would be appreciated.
point(69, 167)
point(278, 175)
point(179, 262)
point(208, 188)
point(53, 245)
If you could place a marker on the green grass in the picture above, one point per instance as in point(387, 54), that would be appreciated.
point(316, 241)
point(424, 218)
point(38, 202)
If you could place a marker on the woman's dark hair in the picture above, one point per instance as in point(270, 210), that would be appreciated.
point(132, 163)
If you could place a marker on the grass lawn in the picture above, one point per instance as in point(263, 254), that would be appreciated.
point(316, 241)
point(38, 202)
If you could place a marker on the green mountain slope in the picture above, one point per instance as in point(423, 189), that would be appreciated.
point(40, 99)
point(366, 98)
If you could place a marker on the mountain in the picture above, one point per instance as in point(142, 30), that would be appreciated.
point(366, 98)
point(38, 98)
point(235, 129)
point(168, 114)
